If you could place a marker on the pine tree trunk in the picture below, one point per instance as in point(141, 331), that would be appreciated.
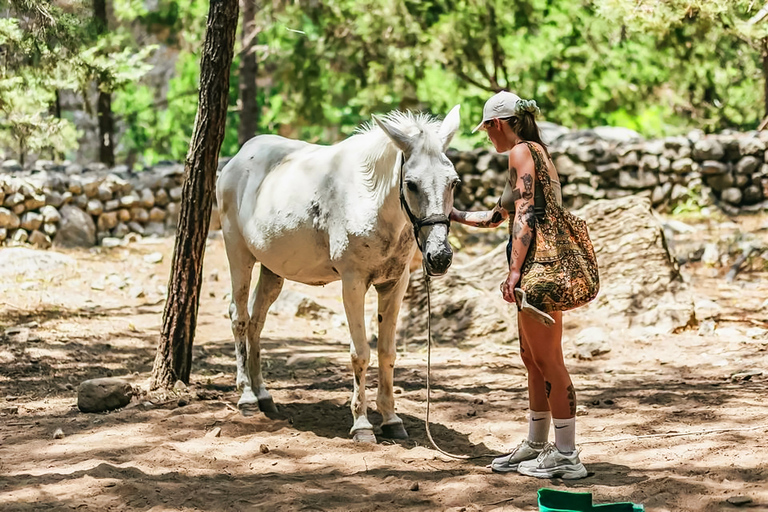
point(174, 353)
point(104, 106)
point(765, 74)
point(249, 68)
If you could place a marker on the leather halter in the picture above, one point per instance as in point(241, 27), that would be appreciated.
point(417, 223)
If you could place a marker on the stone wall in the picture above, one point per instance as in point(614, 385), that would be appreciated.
point(727, 170)
point(72, 205)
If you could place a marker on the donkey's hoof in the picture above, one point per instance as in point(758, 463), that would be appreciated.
point(364, 435)
point(248, 409)
point(267, 406)
point(394, 431)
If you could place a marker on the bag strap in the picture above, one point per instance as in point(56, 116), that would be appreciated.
point(543, 178)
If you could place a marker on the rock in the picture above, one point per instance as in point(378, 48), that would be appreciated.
point(31, 221)
point(105, 394)
point(17, 335)
point(746, 374)
point(58, 434)
point(682, 166)
point(719, 182)
point(136, 228)
point(139, 215)
point(567, 167)
point(751, 146)
point(121, 230)
point(732, 196)
point(3, 234)
point(175, 193)
point(216, 432)
point(50, 214)
point(264, 448)
point(8, 219)
point(14, 199)
point(94, 207)
point(39, 239)
point(104, 193)
point(752, 194)
point(147, 198)
point(154, 228)
point(155, 257)
point(107, 221)
point(129, 201)
point(35, 202)
point(415, 486)
point(11, 166)
point(640, 283)
point(157, 215)
point(76, 228)
point(707, 149)
point(20, 236)
point(161, 197)
point(111, 205)
point(591, 342)
point(111, 242)
point(294, 303)
point(747, 165)
point(637, 180)
point(739, 500)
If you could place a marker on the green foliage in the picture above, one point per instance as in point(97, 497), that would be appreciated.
point(655, 66)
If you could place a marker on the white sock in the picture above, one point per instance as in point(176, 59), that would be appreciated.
point(538, 426)
point(565, 434)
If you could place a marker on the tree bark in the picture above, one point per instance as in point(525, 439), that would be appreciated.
point(174, 353)
point(249, 68)
point(765, 73)
point(104, 105)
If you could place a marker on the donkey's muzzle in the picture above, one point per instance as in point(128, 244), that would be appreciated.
point(438, 262)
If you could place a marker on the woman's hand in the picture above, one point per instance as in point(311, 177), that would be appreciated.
point(456, 215)
point(508, 287)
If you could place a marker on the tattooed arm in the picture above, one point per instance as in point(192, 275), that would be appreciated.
point(487, 219)
point(524, 221)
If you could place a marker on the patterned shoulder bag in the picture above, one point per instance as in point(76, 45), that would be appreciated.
point(560, 269)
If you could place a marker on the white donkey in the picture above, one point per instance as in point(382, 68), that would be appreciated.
point(316, 214)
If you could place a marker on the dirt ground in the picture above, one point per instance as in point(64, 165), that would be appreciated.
point(98, 313)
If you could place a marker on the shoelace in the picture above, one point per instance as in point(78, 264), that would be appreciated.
point(548, 448)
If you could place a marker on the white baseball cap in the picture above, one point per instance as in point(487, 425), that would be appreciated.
point(500, 105)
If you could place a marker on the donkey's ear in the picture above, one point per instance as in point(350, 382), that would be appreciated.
point(450, 126)
point(401, 140)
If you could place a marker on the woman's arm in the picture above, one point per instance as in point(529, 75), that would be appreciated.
point(486, 219)
point(520, 164)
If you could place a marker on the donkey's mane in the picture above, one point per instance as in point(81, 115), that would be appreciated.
point(379, 153)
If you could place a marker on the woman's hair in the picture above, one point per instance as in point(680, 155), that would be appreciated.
point(524, 125)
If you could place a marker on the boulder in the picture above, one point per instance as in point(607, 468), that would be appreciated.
point(641, 287)
point(76, 228)
point(106, 394)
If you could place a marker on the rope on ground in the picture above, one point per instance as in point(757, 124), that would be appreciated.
point(596, 441)
point(675, 434)
point(429, 371)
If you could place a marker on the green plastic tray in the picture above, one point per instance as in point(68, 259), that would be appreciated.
point(552, 500)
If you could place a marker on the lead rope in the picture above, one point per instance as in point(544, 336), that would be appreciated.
point(429, 371)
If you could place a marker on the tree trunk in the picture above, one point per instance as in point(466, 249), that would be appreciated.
point(249, 68)
point(104, 106)
point(174, 353)
point(765, 73)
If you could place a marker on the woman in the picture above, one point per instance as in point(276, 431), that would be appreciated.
point(510, 124)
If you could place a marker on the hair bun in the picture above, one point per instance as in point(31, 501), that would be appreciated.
point(527, 106)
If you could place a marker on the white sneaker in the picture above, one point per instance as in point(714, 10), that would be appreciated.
point(526, 450)
point(551, 463)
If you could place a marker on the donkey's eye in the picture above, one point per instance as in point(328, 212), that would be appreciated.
point(412, 186)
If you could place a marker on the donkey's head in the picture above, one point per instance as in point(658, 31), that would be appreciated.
point(427, 181)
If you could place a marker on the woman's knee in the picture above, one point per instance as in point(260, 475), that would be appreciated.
point(553, 368)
